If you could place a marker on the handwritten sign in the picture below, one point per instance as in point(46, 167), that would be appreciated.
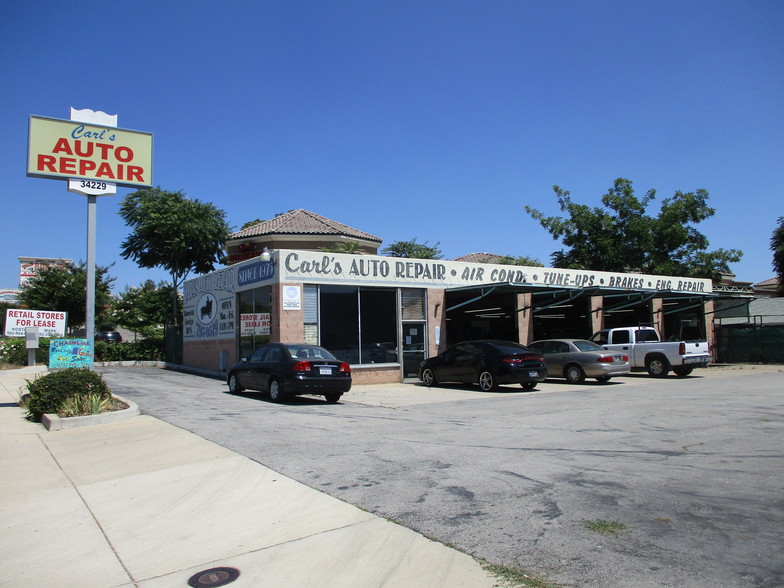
point(70, 353)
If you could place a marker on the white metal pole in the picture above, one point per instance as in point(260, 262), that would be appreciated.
point(91, 230)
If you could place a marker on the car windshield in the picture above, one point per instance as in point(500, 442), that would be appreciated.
point(587, 346)
point(308, 352)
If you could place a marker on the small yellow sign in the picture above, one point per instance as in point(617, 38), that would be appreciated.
point(64, 149)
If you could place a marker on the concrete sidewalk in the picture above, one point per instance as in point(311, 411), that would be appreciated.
point(142, 503)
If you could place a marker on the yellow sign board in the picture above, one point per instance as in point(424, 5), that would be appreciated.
point(64, 149)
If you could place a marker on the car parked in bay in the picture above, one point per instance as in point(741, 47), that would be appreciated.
point(289, 369)
point(576, 359)
point(489, 363)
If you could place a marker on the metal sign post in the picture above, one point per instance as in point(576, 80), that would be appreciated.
point(92, 190)
point(88, 150)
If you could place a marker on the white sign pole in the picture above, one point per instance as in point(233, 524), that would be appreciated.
point(90, 309)
point(92, 192)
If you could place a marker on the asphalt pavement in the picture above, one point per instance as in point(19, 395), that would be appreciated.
point(692, 468)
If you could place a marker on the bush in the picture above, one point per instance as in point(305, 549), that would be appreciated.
point(13, 351)
point(48, 393)
point(143, 350)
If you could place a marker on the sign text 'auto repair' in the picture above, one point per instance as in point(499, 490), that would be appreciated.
point(71, 149)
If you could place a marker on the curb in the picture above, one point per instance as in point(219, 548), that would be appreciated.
point(52, 422)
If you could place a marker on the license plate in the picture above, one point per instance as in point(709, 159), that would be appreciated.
point(618, 357)
point(325, 371)
point(533, 374)
point(695, 360)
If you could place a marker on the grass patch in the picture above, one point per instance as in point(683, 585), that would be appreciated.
point(517, 578)
point(606, 527)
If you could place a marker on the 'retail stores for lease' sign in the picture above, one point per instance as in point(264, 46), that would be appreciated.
point(50, 323)
point(66, 149)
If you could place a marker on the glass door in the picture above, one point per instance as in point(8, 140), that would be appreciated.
point(413, 348)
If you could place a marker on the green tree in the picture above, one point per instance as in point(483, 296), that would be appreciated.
point(350, 247)
point(528, 261)
point(64, 288)
point(251, 223)
point(173, 232)
point(777, 246)
point(413, 249)
point(623, 238)
point(144, 309)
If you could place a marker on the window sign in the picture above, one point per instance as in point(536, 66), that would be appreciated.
point(255, 323)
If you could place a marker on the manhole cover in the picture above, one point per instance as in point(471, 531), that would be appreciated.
point(213, 577)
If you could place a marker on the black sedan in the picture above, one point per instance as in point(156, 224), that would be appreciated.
point(289, 369)
point(488, 363)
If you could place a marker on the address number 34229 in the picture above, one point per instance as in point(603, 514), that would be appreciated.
point(92, 185)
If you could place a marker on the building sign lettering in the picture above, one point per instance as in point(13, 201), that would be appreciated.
point(302, 266)
point(64, 149)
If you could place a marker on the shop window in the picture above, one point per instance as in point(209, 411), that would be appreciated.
point(255, 319)
point(358, 325)
point(412, 305)
point(378, 325)
point(310, 307)
point(339, 321)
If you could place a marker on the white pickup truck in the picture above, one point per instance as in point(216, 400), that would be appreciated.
point(647, 351)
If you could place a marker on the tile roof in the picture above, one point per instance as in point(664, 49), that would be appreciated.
point(772, 282)
point(480, 258)
point(302, 222)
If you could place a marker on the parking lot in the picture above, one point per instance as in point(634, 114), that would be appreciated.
point(690, 471)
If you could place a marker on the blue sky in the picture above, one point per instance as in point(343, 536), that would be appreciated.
point(432, 120)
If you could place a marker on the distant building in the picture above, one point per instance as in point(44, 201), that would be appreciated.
point(9, 296)
point(29, 266)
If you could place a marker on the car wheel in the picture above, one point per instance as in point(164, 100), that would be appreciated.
point(487, 381)
point(429, 377)
point(332, 398)
point(682, 372)
point(603, 379)
point(657, 366)
point(234, 384)
point(528, 385)
point(574, 374)
point(276, 390)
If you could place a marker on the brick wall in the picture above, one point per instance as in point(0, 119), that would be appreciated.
point(374, 375)
point(206, 354)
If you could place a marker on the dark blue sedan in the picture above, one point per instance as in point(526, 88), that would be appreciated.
point(289, 369)
point(487, 363)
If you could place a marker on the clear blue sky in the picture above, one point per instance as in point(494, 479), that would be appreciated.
point(434, 120)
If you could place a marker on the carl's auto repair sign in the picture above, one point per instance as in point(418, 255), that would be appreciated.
point(50, 323)
point(66, 149)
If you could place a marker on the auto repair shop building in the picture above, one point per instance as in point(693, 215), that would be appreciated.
point(383, 315)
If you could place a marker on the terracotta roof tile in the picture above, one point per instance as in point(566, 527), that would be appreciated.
point(773, 282)
point(302, 222)
point(480, 258)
